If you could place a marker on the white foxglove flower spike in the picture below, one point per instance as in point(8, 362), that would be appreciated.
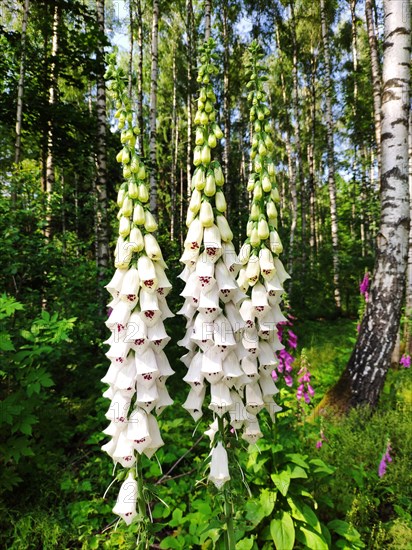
point(139, 367)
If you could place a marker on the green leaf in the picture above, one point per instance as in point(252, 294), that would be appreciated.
point(283, 531)
point(245, 544)
point(321, 467)
point(297, 472)
point(303, 512)
point(5, 342)
point(312, 539)
point(282, 482)
point(345, 530)
point(298, 459)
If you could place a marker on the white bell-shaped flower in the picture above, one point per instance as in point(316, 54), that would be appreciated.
point(125, 506)
point(130, 287)
point(149, 308)
point(138, 430)
point(124, 452)
point(147, 273)
point(119, 407)
point(252, 430)
point(219, 466)
point(194, 403)
point(155, 436)
point(254, 399)
point(194, 376)
point(220, 400)
point(115, 285)
point(119, 315)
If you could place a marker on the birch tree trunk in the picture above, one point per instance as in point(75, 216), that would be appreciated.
point(102, 226)
point(365, 374)
point(140, 76)
point(376, 80)
point(226, 107)
point(50, 173)
point(331, 156)
point(189, 23)
point(408, 307)
point(153, 108)
point(208, 24)
point(20, 87)
point(131, 37)
point(175, 134)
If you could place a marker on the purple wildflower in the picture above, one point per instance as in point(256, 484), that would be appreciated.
point(364, 286)
point(386, 458)
point(405, 361)
point(304, 390)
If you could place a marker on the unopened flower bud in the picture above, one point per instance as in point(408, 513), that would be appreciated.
point(263, 229)
point(124, 226)
point(266, 184)
point(136, 240)
point(200, 138)
point(255, 237)
point(133, 190)
point(219, 178)
point(152, 247)
point(210, 187)
point(271, 210)
point(255, 211)
point(138, 214)
point(205, 155)
point(224, 229)
point(275, 243)
point(143, 193)
point(206, 214)
point(211, 141)
point(195, 201)
point(257, 192)
point(220, 202)
point(149, 222)
point(244, 253)
point(127, 207)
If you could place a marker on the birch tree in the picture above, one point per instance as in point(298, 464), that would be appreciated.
point(153, 107)
point(330, 154)
point(365, 374)
point(20, 87)
point(102, 229)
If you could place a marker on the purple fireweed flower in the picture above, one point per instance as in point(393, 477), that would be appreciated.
point(386, 458)
point(364, 286)
point(405, 361)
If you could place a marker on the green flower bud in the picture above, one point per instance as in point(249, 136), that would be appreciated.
point(262, 149)
point(149, 222)
point(141, 174)
point(255, 211)
point(120, 196)
point(208, 107)
point(138, 214)
point(206, 214)
point(119, 156)
point(125, 156)
point(275, 195)
point(254, 237)
point(136, 239)
point(275, 243)
point(199, 180)
point(126, 172)
point(135, 164)
point(269, 143)
point(205, 155)
point(127, 207)
point(271, 169)
point(266, 184)
point(217, 131)
point(220, 202)
point(211, 141)
point(143, 193)
point(202, 95)
point(196, 156)
point(271, 210)
point(249, 227)
point(204, 119)
point(210, 187)
point(124, 226)
point(200, 137)
point(200, 105)
point(250, 184)
point(197, 117)
point(257, 192)
point(133, 190)
point(263, 229)
point(225, 231)
point(212, 116)
point(195, 201)
point(218, 173)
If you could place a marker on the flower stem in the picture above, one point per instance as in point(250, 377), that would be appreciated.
point(143, 540)
point(230, 540)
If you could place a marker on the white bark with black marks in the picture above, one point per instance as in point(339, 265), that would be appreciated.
point(376, 79)
point(153, 108)
point(101, 220)
point(370, 360)
point(20, 87)
point(330, 154)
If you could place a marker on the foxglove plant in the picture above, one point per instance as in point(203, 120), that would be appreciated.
point(262, 275)
point(139, 367)
point(211, 293)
